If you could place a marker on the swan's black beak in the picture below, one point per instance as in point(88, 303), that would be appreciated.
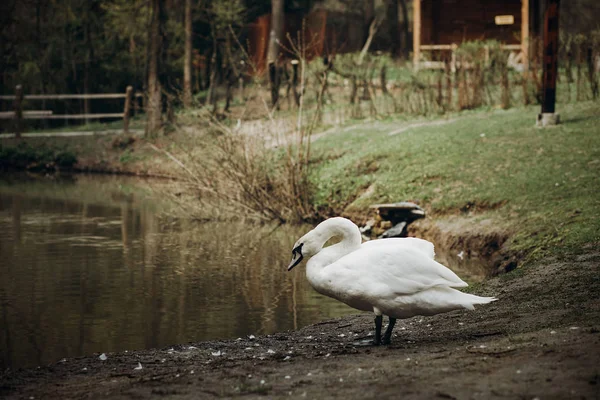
point(296, 257)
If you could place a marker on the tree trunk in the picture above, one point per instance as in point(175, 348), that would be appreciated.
point(406, 41)
point(369, 16)
point(154, 103)
point(187, 58)
point(211, 97)
point(591, 71)
point(550, 57)
point(393, 28)
point(88, 57)
point(276, 34)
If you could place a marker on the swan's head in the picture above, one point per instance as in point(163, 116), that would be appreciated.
point(312, 243)
point(306, 247)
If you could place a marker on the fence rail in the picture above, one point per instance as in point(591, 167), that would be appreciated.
point(452, 48)
point(49, 115)
point(18, 115)
point(70, 96)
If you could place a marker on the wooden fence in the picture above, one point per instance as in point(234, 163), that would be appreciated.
point(18, 114)
point(452, 49)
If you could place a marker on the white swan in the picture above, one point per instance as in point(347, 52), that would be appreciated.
point(394, 277)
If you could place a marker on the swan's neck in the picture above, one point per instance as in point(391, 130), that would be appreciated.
point(351, 240)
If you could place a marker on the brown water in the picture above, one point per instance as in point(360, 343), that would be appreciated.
point(88, 265)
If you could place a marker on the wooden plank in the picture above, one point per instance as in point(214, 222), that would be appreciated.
point(70, 96)
point(11, 114)
point(416, 33)
point(436, 47)
point(75, 96)
point(137, 132)
point(75, 116)
point(452, 46)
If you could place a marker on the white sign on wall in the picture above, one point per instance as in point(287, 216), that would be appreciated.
point(504, 19)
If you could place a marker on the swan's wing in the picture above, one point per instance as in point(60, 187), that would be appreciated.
point(390, 271)
point(416, 243)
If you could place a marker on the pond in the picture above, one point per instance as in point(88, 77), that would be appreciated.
point(88, 264)
point(91, 264)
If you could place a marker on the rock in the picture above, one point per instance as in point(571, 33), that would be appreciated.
point(385, 225)
point(398, 230)
point(368, 226)
point(399, 212)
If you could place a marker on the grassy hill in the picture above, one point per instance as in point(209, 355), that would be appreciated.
point(542, 184)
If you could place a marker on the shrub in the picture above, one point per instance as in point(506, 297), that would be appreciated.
point(25, 156)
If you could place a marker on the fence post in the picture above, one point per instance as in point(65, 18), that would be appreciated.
point(548, 115)
point(136, 104)
point(453, 61)
point(127, 109)
point(416, 33)
point(18, 107)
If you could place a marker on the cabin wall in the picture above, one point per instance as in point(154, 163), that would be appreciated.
point(324, 33)
point(456, 21)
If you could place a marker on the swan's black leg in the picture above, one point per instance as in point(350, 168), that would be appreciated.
point(378, 323)
point(387, 338)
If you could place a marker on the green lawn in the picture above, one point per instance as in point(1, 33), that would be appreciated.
point(542, 184)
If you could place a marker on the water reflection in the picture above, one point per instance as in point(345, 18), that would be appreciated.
point(88, 265)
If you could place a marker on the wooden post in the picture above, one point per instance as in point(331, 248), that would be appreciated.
point(127, 110)
point(295, 76)
point(416, 33)
point(453, 58)
point(550, 62)
point(136, 104)
point(591, 71)
point(525, 34)
point(18, 107)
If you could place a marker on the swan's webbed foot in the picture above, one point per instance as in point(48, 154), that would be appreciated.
point(387, 337)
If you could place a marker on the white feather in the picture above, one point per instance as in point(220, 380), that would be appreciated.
point(394, 277)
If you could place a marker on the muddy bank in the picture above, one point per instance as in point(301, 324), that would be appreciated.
point(107, 154)
point(541, 339)
point(482, 240)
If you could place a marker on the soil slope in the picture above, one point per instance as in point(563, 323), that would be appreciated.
point(540, 340)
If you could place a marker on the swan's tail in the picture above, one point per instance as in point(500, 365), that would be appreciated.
point(469, 301)
point(443, 299)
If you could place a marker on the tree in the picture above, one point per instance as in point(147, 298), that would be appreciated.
point(187, 59)
point(226, 17)
point(407, 42)
point(155, 58)
point(275, 37)
point(393, 31)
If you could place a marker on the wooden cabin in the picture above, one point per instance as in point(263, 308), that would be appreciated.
point(440, 25)
point(324, 33)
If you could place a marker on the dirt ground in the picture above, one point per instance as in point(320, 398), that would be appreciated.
point(540, 340)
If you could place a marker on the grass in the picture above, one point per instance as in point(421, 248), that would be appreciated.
point(95, 126)
point(541, 183)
